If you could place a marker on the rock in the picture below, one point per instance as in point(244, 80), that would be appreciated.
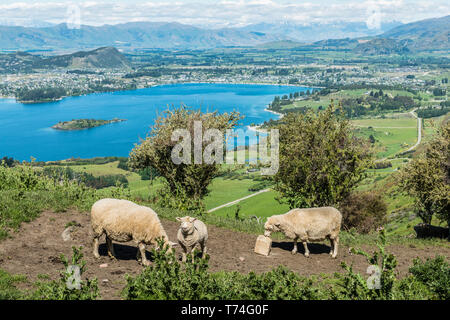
point(263, 245)
point(241, 258)
point(66, 233)
point(104, 265)
point(105, 280)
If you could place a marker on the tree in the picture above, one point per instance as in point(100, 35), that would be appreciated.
point(427, 178)
point(186, 183)
point(321, 160)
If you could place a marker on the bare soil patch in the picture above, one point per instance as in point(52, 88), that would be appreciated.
point(35, 249)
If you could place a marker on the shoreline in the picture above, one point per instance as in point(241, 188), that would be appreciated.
point(241, 83)
point(172, 83)
point(257, 128)
point(7, 97)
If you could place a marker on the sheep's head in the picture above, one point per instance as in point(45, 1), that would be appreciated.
point(270, 226)
point(187, 224)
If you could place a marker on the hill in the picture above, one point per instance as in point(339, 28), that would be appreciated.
point(129, 35)
point(101, 58)
point(106, 58)
point(429, 34)
point(382, 46)
point(312, 32)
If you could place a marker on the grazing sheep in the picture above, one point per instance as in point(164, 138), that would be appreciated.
point(191, 233)
point(122, 221)
point(314, 224)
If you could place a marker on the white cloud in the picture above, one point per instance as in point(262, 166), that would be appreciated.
point(223, 12)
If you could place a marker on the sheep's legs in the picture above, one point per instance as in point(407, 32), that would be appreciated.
point(145, 262)
point(183, 254)
point(96, 254)
point(335, 247)
point(204, 251)
point(110, 246)
point(331, 246)
point(305, 245)
point(294, 251)
point(138, 255)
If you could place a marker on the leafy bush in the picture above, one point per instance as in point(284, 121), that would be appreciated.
point(264, 184)
point(148, 173)
point(435, 274)
point(66, 287)
point(123, 164)
point(382, 164)
point(24, 193)
point(364, 211)
point(166, 279)
point(66, 173)
point(8, 290)
point(8, 162)
point(353, 286)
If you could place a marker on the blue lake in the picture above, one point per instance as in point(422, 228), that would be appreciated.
point(25, 129)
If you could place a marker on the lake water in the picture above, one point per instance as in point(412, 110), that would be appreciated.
point(25, 129)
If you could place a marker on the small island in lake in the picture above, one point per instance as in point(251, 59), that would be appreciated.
point(81, 124)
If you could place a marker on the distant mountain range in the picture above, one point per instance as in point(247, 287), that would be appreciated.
point(101, 58)
point(128, 35)
point(429, 34)
point(320, 31)
point(424, 35)
point(393, 37)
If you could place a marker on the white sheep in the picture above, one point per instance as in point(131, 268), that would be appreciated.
point(122, 221)
point(191, 233)
point(314, 224)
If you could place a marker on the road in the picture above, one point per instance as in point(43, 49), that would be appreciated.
point(419, 131)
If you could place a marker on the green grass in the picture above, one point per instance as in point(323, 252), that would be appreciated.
point(261, 205)
point(393, 135)
point(342, 94)
point(390, 142)
point(226, 190)
point(324, 102)
point(401, 121)
point(139, 188)
point(8, 289)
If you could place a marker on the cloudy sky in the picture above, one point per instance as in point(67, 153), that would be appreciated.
point(220, 13)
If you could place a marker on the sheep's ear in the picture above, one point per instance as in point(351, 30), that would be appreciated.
point(192, 219)
point(178, 218)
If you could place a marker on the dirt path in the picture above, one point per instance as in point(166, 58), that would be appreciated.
point(36, 247)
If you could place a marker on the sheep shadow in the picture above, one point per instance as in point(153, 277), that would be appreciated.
point(314, 248)
point(129, 252)
point(123, 251)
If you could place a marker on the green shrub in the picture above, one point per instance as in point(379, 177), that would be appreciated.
point(364, 211)
point(264, 184)
point(167, 279)
point(8, 290)
point(66, 287)
point(24, 193)
point(435, 274)
point(355, 287)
